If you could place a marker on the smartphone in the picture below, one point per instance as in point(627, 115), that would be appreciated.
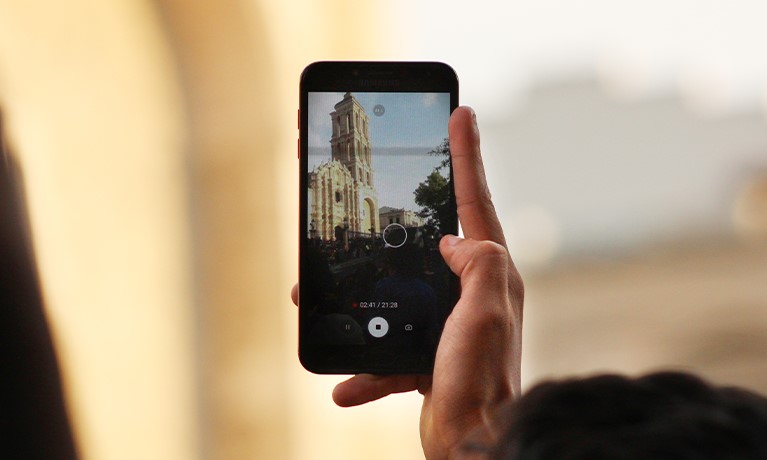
point(376, 196)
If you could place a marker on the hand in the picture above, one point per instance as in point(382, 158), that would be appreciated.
point(479, 354)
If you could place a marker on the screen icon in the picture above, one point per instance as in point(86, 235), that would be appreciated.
point(379, 110)
point(378, 327)
point(394, 235)
point(408, 327)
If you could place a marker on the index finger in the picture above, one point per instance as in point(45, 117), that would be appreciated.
point(475, 207)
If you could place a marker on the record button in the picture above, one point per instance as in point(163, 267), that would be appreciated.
point(378, 327)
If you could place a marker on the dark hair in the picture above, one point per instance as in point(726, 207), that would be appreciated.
point(406, 260)
point(660, 416)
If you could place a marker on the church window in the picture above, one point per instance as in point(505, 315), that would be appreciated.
point(348, 122)
point(338, 196)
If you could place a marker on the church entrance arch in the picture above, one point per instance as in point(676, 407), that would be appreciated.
point(369, 215)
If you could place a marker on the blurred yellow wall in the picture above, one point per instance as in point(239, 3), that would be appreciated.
point(94, 111)
point(158, 145)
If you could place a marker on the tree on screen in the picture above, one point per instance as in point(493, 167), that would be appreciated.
point(434, 194)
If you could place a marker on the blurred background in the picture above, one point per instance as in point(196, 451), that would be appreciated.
point(626, 148)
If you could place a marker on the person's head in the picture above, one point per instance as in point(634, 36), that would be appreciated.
point(659, 416)
point(405, 260)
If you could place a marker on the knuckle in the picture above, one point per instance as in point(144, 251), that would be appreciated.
point(498, 257)
point(481, 199)
point(490, 249)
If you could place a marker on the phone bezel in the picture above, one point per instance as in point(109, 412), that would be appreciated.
point(364, 76)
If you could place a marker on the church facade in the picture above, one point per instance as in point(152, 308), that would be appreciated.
point(342, 193)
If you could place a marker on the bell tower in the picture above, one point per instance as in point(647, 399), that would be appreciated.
point(350, 142)
point(350, 145)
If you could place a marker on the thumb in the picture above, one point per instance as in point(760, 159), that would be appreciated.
point(483, 266)
point(467, 257)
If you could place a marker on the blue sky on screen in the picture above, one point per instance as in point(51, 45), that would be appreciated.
point(409, 120)
point(412, 125)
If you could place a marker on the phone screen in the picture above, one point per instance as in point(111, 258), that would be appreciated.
point(376, 199)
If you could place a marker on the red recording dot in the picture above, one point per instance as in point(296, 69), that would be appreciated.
point(355, 305)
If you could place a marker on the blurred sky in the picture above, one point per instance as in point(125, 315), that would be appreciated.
point(606, 125)
point(704, 45)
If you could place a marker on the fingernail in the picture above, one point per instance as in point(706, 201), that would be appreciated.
point(451, 240)
point(473, 115)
